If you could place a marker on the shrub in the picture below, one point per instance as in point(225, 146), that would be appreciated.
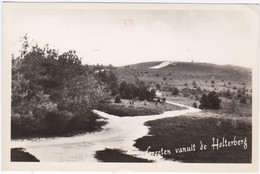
point(227, 94)
point(114, 91)
point(175, 91)
point(194, 83)
point(49, 88)
point(243, 100)
point(210, 101)
point(198, 90)
point(117, 99)
point(186, 92)
point(55, 123)
point(194, 105)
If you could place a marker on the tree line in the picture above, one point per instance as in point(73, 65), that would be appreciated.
point(137, 90)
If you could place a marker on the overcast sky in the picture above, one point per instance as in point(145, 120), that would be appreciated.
point(121, 35)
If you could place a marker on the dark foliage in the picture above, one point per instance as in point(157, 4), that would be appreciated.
point(50, 91)
point(210, 101)
point(175, 91)
point(116, 155)
point(136, 90)
point(226, 93)
point(243, 100)
point(110, 80)
point(117, 99)
point(20, 155)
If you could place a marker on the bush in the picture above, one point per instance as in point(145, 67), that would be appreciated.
point(186, 92)
point(227, 94)
point(194, 83)
point(175, 91)
point(117, 99)
point(196, 97)
point(243, 100)
point(198, 90)
point(55, 123)
point(210, 101)
point(194, 105)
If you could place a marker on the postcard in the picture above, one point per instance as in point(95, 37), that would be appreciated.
point(139, 87)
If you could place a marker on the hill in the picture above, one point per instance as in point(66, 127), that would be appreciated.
point(181, 74)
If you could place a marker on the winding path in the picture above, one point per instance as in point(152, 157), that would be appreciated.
point(118, 133)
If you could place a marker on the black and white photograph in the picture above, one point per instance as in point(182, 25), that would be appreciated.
point(130, 83)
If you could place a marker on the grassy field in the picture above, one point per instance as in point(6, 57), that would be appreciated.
point(185, 131)
point(115, 155)
point(138, 108)
point(227, 108)
point(189, 77)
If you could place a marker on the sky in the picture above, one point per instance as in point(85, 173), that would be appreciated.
point(128, 34)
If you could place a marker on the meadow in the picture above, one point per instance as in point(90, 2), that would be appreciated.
point(138, 108)
point(184, 131)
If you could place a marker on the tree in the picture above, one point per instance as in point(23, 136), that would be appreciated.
point(117, 99)
point(210, 101)
point(48, 87)
point(110, 80)
point(214, 100)
point(138, 89)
